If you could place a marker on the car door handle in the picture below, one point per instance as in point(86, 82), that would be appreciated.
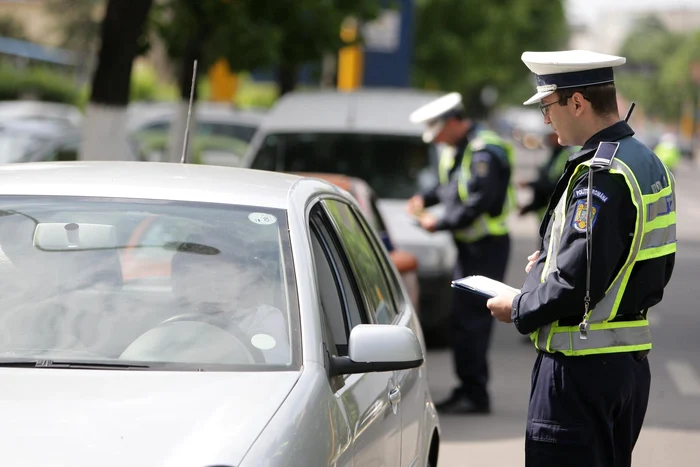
point(395, 396)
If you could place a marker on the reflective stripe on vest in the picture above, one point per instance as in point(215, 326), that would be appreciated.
point(654, 236)
point(445, 164)
point(485, 225)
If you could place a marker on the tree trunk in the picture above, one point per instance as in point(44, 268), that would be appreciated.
point(287, 77)
point(104, 133)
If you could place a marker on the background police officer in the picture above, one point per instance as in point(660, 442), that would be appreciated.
point(591, 377)
point(548, 175)
point(477, 199)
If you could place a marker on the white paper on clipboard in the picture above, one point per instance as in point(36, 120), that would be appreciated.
point(483, 286)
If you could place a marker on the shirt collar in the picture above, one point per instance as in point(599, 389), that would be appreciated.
point(614, 132)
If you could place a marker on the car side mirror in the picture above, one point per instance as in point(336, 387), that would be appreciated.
point(377, 348)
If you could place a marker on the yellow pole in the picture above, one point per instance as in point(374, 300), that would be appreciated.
point(224, 83)
point(350, 58)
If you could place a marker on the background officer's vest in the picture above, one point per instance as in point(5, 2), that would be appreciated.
point(556, 170)
point(669, 154)
point(654, 236)
point(485, 224)
point(445, 164)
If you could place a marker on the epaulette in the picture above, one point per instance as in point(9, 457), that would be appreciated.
point(477, 144)
point(605, 154)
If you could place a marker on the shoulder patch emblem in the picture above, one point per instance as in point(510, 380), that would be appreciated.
point(481, 168)
point(581, 215)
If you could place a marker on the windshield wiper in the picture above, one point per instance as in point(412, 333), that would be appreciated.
point(85, 365)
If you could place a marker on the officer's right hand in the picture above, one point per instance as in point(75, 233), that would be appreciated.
point(414, 205)
point(532, 259)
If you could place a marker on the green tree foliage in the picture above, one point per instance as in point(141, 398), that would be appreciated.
point(464, 45)
point(253, 34)
point(647, 48)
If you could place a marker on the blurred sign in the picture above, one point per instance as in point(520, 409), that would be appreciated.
point(384, 33)
point(389, 45)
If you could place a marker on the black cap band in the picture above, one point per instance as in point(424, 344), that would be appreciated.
point(577, 79)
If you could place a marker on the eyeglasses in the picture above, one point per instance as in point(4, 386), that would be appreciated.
point(545, 108)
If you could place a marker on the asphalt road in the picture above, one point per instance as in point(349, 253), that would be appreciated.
point(671, 433)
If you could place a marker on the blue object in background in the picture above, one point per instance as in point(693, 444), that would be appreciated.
point(387, 57)
point(387, 52)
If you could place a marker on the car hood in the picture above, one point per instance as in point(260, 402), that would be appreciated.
point(76, 418)
point(435, 251)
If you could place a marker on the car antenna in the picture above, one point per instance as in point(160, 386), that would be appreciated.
point(189, 111)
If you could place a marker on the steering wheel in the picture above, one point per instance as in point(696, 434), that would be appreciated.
point(166, 340)
point(255, 354)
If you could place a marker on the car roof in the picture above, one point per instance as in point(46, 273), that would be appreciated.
point(149, 180)
point(42, 110)
point(343, 181)
point(375, 111)
point(140, 114)
point(38, 127)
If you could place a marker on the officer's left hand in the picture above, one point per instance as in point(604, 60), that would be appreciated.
point(428, 221)
point(501, 306)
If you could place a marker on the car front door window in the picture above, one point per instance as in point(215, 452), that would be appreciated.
point(377, 295)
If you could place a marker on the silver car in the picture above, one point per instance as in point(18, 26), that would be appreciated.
point(261, 324)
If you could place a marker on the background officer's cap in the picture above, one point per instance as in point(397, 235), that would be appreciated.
point(569, 69)
point(434, 114)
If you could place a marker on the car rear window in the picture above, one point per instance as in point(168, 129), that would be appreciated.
point(391, 164)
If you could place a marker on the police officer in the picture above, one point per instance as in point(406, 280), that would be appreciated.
point(548, 174)
point(476, 191)
point(588, 319)
point(668, 151)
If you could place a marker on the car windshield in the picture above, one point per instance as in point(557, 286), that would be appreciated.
point(16, 146)
point(165, 285)
point(392, 165)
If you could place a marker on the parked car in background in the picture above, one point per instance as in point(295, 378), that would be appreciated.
point(405, 262)
point(283, 335)
point(64, 114)
point(367, 134)
point(30, 140)
point(220, 135)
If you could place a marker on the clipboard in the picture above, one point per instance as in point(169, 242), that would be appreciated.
point(483, 286)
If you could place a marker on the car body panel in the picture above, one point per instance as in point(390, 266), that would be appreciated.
point(140, 418)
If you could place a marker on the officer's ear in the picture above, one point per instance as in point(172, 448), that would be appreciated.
point(579, 102)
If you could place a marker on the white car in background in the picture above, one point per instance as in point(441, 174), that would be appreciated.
point(220, 133)
point(281, 336)
point(53, 112)
point(367, 134)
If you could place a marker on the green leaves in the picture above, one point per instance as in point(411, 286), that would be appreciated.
point(659, 61)
point(463, 45)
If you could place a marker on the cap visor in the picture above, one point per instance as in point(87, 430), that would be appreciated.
point(538, 97)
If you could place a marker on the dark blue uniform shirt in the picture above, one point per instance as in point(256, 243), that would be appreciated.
point(561, 297)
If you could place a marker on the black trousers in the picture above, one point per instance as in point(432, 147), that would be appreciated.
point(586, 411)
point(471, 320)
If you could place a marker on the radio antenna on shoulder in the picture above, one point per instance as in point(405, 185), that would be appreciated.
point(185, 143)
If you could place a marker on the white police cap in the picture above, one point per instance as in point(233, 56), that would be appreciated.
point(434, 113)
point(569, 69)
